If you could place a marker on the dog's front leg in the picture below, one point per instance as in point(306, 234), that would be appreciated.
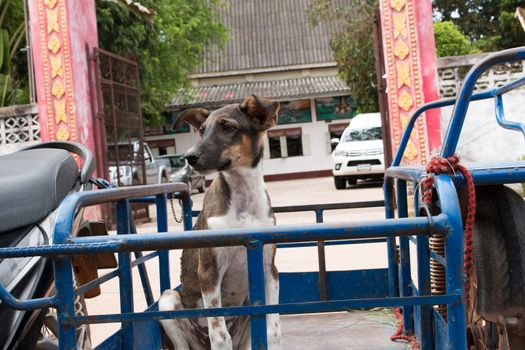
point(271, 288)
point(210, 279)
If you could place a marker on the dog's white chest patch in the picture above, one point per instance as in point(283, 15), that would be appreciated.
point(238, 220)
point(249, 205)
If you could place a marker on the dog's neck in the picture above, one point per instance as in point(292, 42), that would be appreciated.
point(247, 191)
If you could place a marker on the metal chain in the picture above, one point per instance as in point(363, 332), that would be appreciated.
point(179, 220)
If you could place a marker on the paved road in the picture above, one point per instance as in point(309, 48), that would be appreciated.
point(292, 192)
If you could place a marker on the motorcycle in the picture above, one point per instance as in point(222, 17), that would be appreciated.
point(33, 183)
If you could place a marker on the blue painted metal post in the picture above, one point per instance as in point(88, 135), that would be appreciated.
point(125, 280)
point(63, 275)
point(164, 258)
point(257, 294)
point(65, 301)
point(393, 273)
point(425, 332)
point(321, 257)
point(143, 273)
point(404, 253)
point(456, 320)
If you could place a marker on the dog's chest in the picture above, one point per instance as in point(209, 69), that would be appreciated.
point(248, 207)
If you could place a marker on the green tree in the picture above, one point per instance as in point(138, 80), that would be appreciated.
point(352, 45)
point(166, 48)
point(13, 61)
point(450, 41)
point(489, 24)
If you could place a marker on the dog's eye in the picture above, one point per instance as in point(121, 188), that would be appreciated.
point(228, 127)
point(201, 130)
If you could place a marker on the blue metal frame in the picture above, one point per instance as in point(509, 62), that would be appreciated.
point(393, 285)
point(452, 332)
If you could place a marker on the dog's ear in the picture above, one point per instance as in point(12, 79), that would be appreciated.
point(263, 109)
point(194, 116)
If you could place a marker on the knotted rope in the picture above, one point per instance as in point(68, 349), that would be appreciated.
point(450, 165)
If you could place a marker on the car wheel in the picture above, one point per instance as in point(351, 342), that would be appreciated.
point(352, 180)
point(340, 182)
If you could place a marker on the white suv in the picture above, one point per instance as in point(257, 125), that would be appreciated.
point(359, 152)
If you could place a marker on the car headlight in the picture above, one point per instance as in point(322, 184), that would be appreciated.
point(339, 153)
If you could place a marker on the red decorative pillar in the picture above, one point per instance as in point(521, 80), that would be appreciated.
point(60, 31)
point(410, 61)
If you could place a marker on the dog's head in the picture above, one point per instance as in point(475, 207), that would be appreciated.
point(232, 136)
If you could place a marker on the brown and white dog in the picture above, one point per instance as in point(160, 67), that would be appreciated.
point(232, 144)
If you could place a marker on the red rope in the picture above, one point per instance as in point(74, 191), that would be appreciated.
point(450, 165)
point(398, 335)
point(440, 165)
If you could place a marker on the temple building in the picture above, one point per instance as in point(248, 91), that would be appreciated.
point(273, 52)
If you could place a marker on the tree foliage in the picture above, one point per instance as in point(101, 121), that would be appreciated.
point(489, 24)
point(13, 62)
point(167, 49)
point(450, 41)
point(352, 45)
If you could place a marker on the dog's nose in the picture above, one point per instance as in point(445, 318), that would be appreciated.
point(192, 158)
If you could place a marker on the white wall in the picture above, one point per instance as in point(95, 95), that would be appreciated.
point(316, 148)
point(185, 141)
point(482, 139)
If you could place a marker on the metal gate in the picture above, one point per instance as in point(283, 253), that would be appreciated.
point(119, 133)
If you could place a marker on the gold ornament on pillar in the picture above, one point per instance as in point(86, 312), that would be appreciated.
point(405, 101)
point(400, 25)
point(57, 79)
point(62, 133)
point(411, 152)
point(54, 44)
point(397, 4)
point(403, 74)
point(52, 21)
point(50, 3)
point(401, 50)
point(56, 66)
point(60, 111)
point(403, 67)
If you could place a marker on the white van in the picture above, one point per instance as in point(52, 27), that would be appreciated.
point(359, 152)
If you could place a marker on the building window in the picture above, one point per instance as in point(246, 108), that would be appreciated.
point(334, 132)
point(333, 108)
point(294, 145)
point(275, 146)
point(285, 143)
point(169, 121)
point(294, 112)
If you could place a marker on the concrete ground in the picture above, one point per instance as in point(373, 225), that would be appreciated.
point(346, 330)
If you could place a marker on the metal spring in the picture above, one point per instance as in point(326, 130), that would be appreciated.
point(437, 271)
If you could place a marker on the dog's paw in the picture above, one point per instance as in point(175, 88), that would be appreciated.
point(170, 300)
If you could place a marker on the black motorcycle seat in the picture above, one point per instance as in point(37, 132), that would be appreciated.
point(32, 185)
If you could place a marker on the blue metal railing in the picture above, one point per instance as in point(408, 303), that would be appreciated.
point(454, 329)
point(253, 239)
point(402, 291)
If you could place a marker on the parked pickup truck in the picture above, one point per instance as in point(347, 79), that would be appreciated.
point(129, 171)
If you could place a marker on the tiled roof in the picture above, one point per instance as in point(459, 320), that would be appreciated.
point(269, 33)
point(284, 89)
